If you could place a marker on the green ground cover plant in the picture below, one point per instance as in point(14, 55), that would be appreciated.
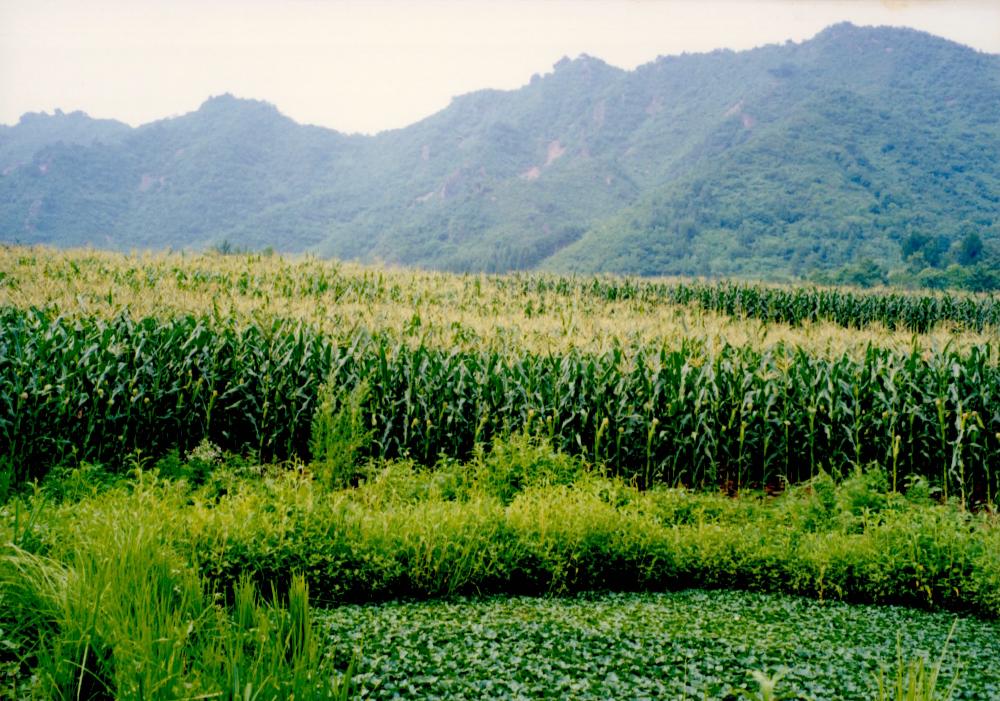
point(693, 644)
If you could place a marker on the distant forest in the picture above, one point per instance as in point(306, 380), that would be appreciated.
point(862, 156)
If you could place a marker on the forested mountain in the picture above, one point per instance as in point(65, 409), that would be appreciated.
point(862, 144)
point(34, 131)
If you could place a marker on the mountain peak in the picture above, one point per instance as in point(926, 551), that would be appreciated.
point(840, 29)
point(585, 68)
point(229, 103)
point(848, 34)
point(583, 62)
point(57, 115)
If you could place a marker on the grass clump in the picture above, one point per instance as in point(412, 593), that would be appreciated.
point(916, 679)
point(115, 611)
point(339, 434)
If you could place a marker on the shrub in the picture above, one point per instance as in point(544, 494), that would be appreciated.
point(338, 434)
point(522, 460)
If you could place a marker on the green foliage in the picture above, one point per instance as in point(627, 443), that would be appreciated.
point(405, 481)
point(114, 611)
point(688, 645)
point(970, 249)
point(968, 264)
point(864, 273)
point(865, 493)
point(520, 461)
point(74, 483)
point(199, 465)
point(338, 433)
point(408, 532)
point(794, 305)
point(98, 592)
point(771, 163)
point(699, 414)
point(920, 250)
point(916, 681)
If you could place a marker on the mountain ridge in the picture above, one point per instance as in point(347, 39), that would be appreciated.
point(773, 162)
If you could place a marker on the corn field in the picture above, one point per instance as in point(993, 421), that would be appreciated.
point(540, 312)
point(798, 305)
point(76, 388)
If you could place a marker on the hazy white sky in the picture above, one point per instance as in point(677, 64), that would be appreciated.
point(368, 66)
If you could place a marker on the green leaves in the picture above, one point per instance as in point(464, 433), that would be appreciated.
point(796, 305)
point(723, 416)
point(405, 534)
point(685, 645)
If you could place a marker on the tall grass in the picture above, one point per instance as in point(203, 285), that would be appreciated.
point(116, 612)
point(916, 679)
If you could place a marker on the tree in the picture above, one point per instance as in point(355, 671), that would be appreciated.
point(970, 250)
point(865, 273)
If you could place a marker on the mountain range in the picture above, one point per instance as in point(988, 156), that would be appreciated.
point(861, 144)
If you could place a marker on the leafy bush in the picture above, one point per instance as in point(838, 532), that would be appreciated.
point(520, 461)
point(338, 433)
point(407, 531)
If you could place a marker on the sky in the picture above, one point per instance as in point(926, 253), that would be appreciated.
point(366, 66)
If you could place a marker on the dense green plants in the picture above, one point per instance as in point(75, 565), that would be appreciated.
point(698, 414)
point(798, 305)
point(117, 612)
point(386, 541)
point(491, 526)
point(690, 645)
point(450, 435)
point(159, 571)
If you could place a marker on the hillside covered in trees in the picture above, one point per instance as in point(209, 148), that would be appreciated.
point(862, 155)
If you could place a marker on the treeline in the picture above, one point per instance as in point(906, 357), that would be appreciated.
point(930, 262)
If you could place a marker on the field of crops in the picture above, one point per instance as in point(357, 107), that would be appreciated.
point(105, 355)
point(439, 434)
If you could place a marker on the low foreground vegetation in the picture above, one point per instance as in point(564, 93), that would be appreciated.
point(147, 586)
point(692, 644)
point(221, 476)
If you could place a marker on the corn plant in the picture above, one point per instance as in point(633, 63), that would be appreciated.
point(697, 414)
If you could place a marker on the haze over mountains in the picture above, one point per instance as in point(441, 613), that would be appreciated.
point(776, 162)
